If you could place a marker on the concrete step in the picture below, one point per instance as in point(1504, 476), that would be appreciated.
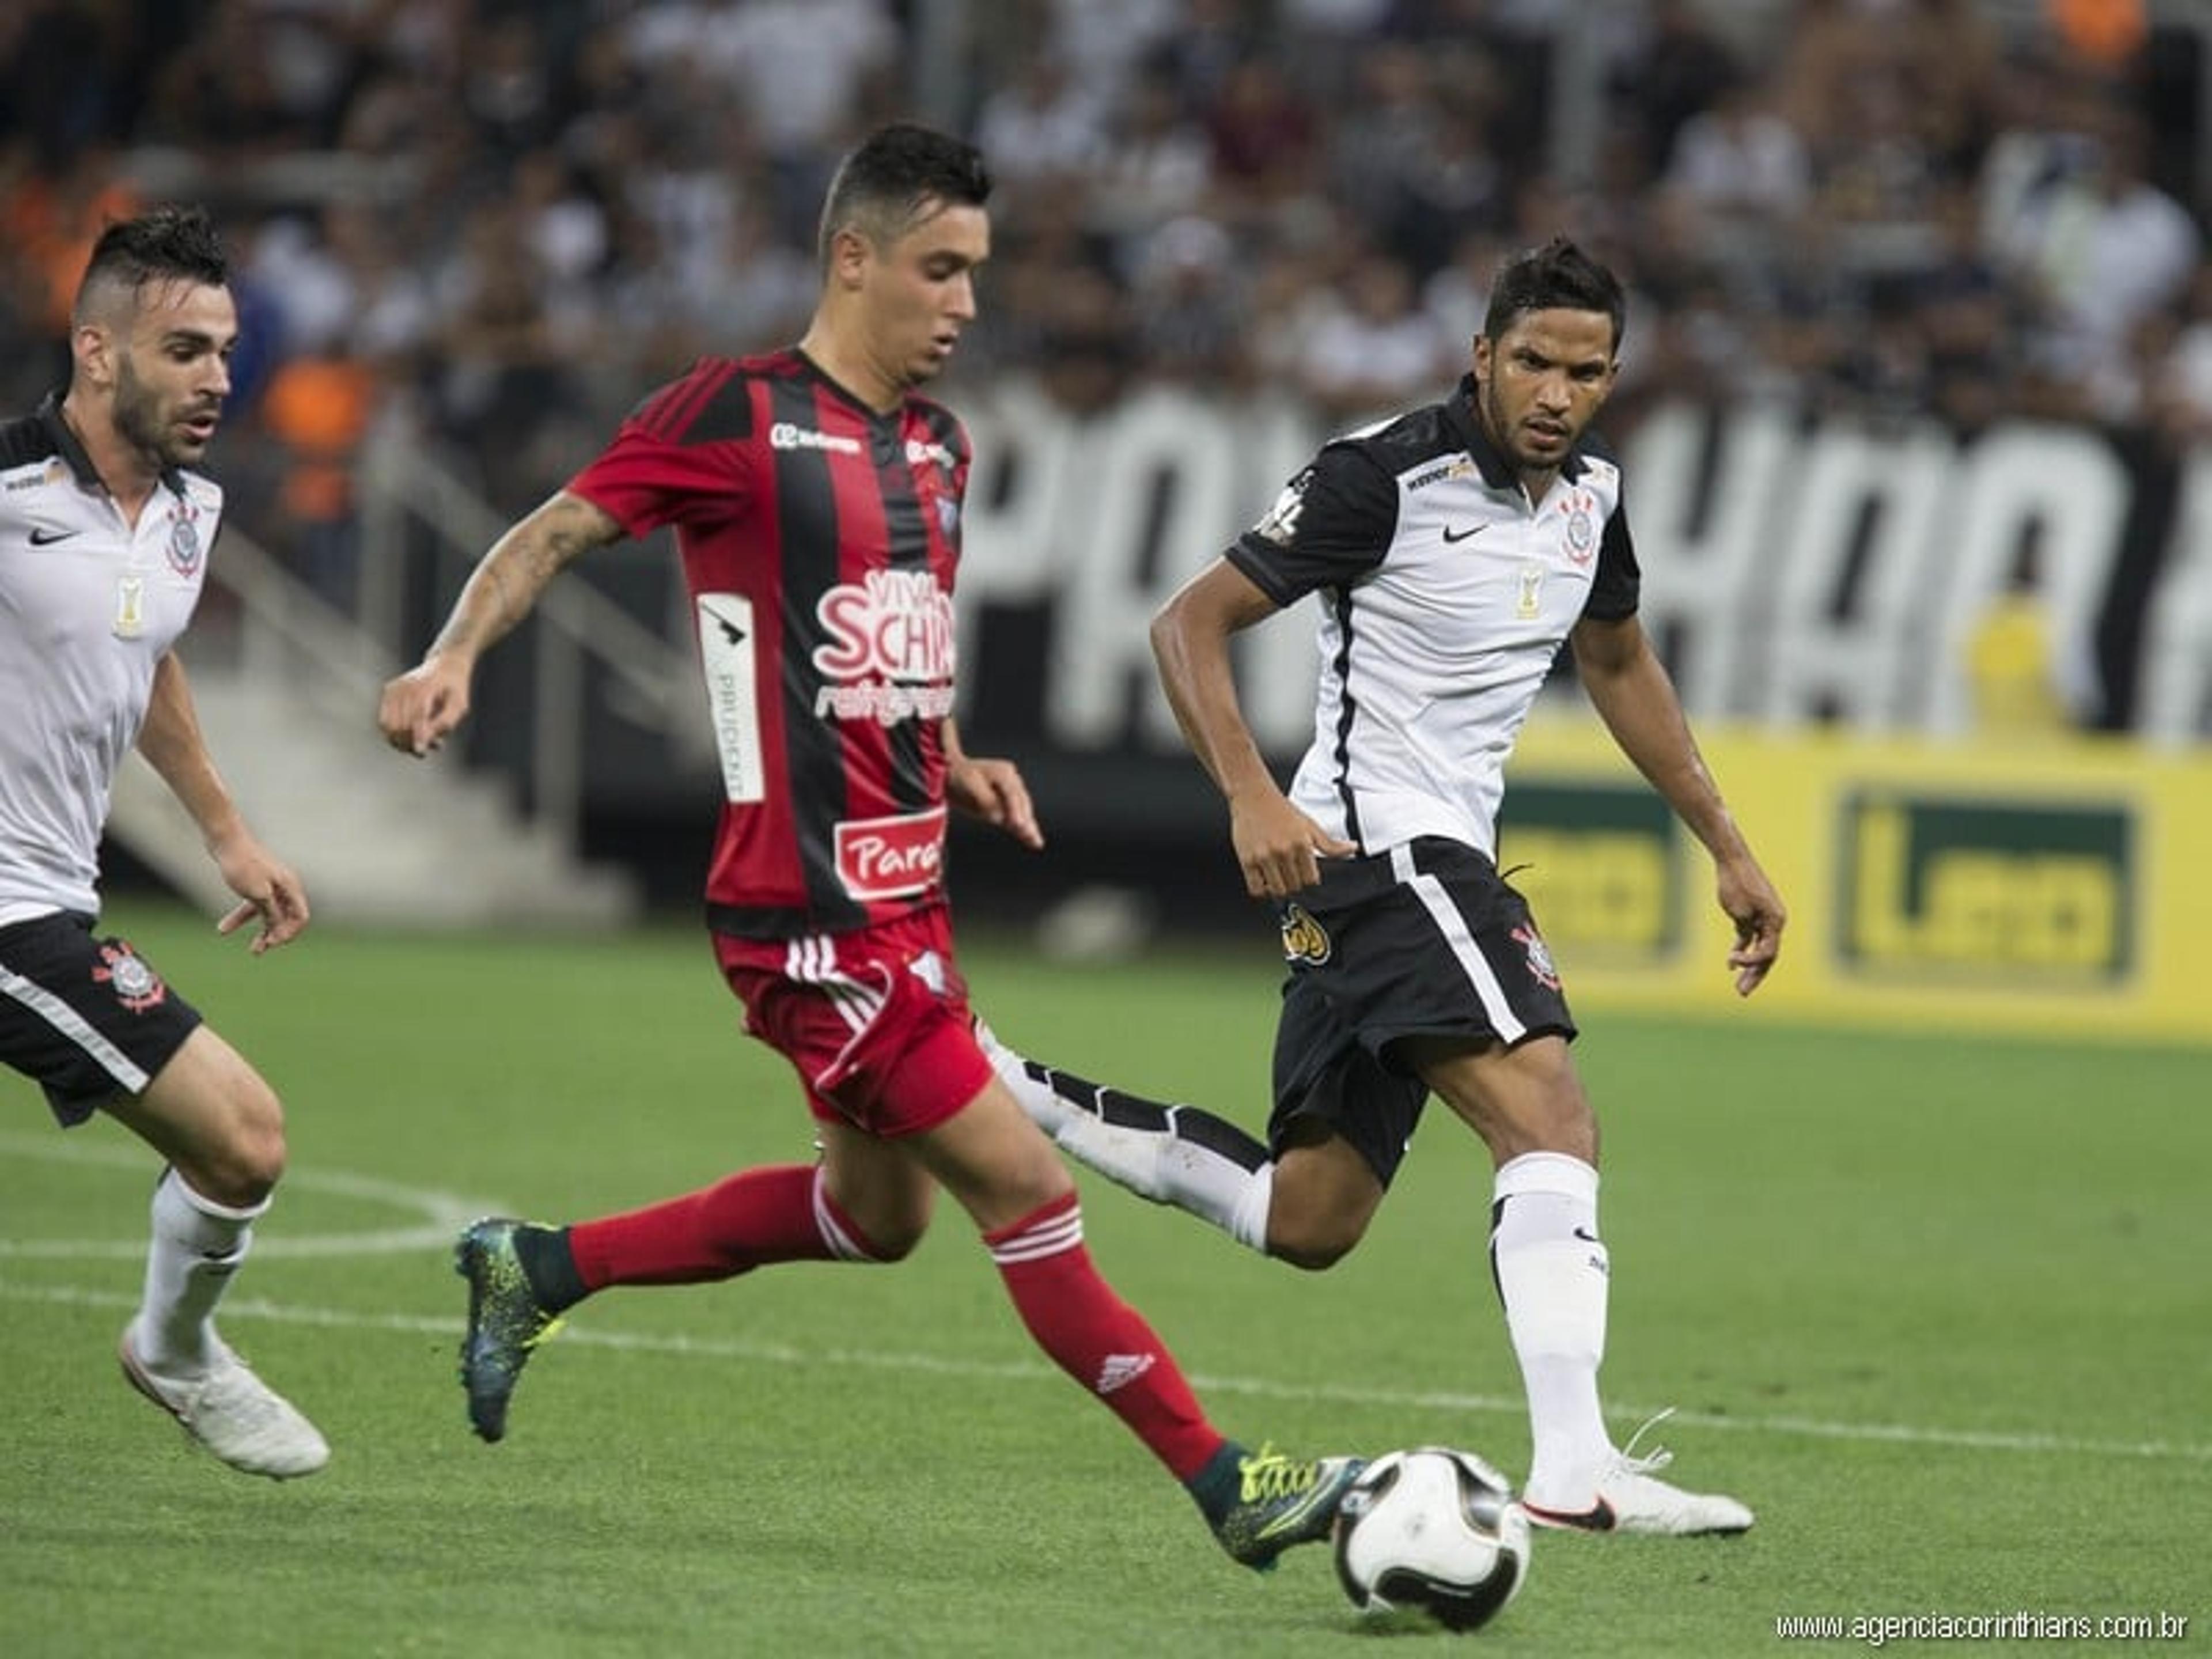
point(378, 840)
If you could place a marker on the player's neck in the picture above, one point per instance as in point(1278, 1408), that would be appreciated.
point(1535, 484)
point(127, 470)
point(837, 354)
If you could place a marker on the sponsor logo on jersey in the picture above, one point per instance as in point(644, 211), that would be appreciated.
point(890, 654)
point(1458, 468)
point(727, 655)
point(1304, 939)
point(785, 435)
point(134, 981)
point(893, 857)
point(37, 475)
point(919, 453)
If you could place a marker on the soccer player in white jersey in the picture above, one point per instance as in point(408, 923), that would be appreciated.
point(1454, 548)
point(104, 540)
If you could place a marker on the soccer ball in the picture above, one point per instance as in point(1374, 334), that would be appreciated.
point(1434, 1529)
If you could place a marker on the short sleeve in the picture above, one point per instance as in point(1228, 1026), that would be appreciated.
point(1330, 526)
point(645, 481)
point(1616, 586)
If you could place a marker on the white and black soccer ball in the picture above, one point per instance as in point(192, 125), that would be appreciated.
point(1434, 1529)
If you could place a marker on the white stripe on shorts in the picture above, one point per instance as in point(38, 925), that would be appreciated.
point(1452, 926)
point(74, 1026)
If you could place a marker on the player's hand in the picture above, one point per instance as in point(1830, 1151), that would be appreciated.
point(1279, 848)
point(993, 790)
point(1751, 902)
point(420, 706)
point(270, 888)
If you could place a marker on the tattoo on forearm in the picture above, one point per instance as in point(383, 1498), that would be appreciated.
point(505, 585)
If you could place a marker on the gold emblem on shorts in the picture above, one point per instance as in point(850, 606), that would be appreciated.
point(1304, 939)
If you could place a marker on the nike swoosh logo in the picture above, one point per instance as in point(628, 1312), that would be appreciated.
point(42, 537)
point(1585, 1235)
point(1451, 535)
point(1599, 1517)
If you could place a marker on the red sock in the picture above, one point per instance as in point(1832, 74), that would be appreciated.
point(1097, 1338)
point(776, 1213)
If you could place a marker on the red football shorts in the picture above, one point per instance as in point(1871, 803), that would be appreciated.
point(876, 1021)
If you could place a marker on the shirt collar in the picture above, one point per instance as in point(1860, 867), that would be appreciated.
point(67, 447)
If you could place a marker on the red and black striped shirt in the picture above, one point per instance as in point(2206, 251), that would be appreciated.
point(819, 542)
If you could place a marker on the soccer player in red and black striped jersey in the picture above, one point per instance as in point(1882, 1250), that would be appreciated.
point(815, 501)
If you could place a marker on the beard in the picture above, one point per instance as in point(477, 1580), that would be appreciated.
point(139, 417)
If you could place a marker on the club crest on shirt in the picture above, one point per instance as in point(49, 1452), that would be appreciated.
point(184, 538)
point(1539, 957)
point(1581, 527)
point(1304, 939)
point(134, 981)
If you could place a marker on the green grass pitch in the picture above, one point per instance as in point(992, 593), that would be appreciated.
point(1936, 1307)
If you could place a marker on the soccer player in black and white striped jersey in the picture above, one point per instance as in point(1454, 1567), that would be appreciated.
point(1454, 548)
point(103, 540)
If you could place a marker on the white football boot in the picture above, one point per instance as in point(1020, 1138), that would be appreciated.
point(232, 1413)
point(1630, 1498)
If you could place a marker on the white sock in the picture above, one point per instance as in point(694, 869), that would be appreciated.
point(1175, 1155)
point(197, 1245)
point(1553, 1274)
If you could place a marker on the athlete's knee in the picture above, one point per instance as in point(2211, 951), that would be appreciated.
point(896, 1241)
point(1312, 1239)
point(884, 1228)
point(237, 1155)
point(1319, 1204)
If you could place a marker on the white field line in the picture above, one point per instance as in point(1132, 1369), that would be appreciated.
point(443, 1213)
point(769, 1354)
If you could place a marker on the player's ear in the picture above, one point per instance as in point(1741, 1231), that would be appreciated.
point(92, 349)
point(849, 253)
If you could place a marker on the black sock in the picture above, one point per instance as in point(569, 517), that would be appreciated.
point(551, 1266)
point(1217, 1488)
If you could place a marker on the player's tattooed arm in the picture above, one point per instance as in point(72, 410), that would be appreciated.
point(519, 566)
point(420, 707)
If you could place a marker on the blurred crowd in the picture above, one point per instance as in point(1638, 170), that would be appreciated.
point(501, 221)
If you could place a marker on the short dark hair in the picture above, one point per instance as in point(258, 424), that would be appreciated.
point(163, 243)
point(1557, 276)
point(883, 187)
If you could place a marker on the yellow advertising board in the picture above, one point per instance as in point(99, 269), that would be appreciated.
point(2060, 886)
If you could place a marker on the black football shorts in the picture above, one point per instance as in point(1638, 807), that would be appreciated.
point(87, 1019)
point(1425, 940)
